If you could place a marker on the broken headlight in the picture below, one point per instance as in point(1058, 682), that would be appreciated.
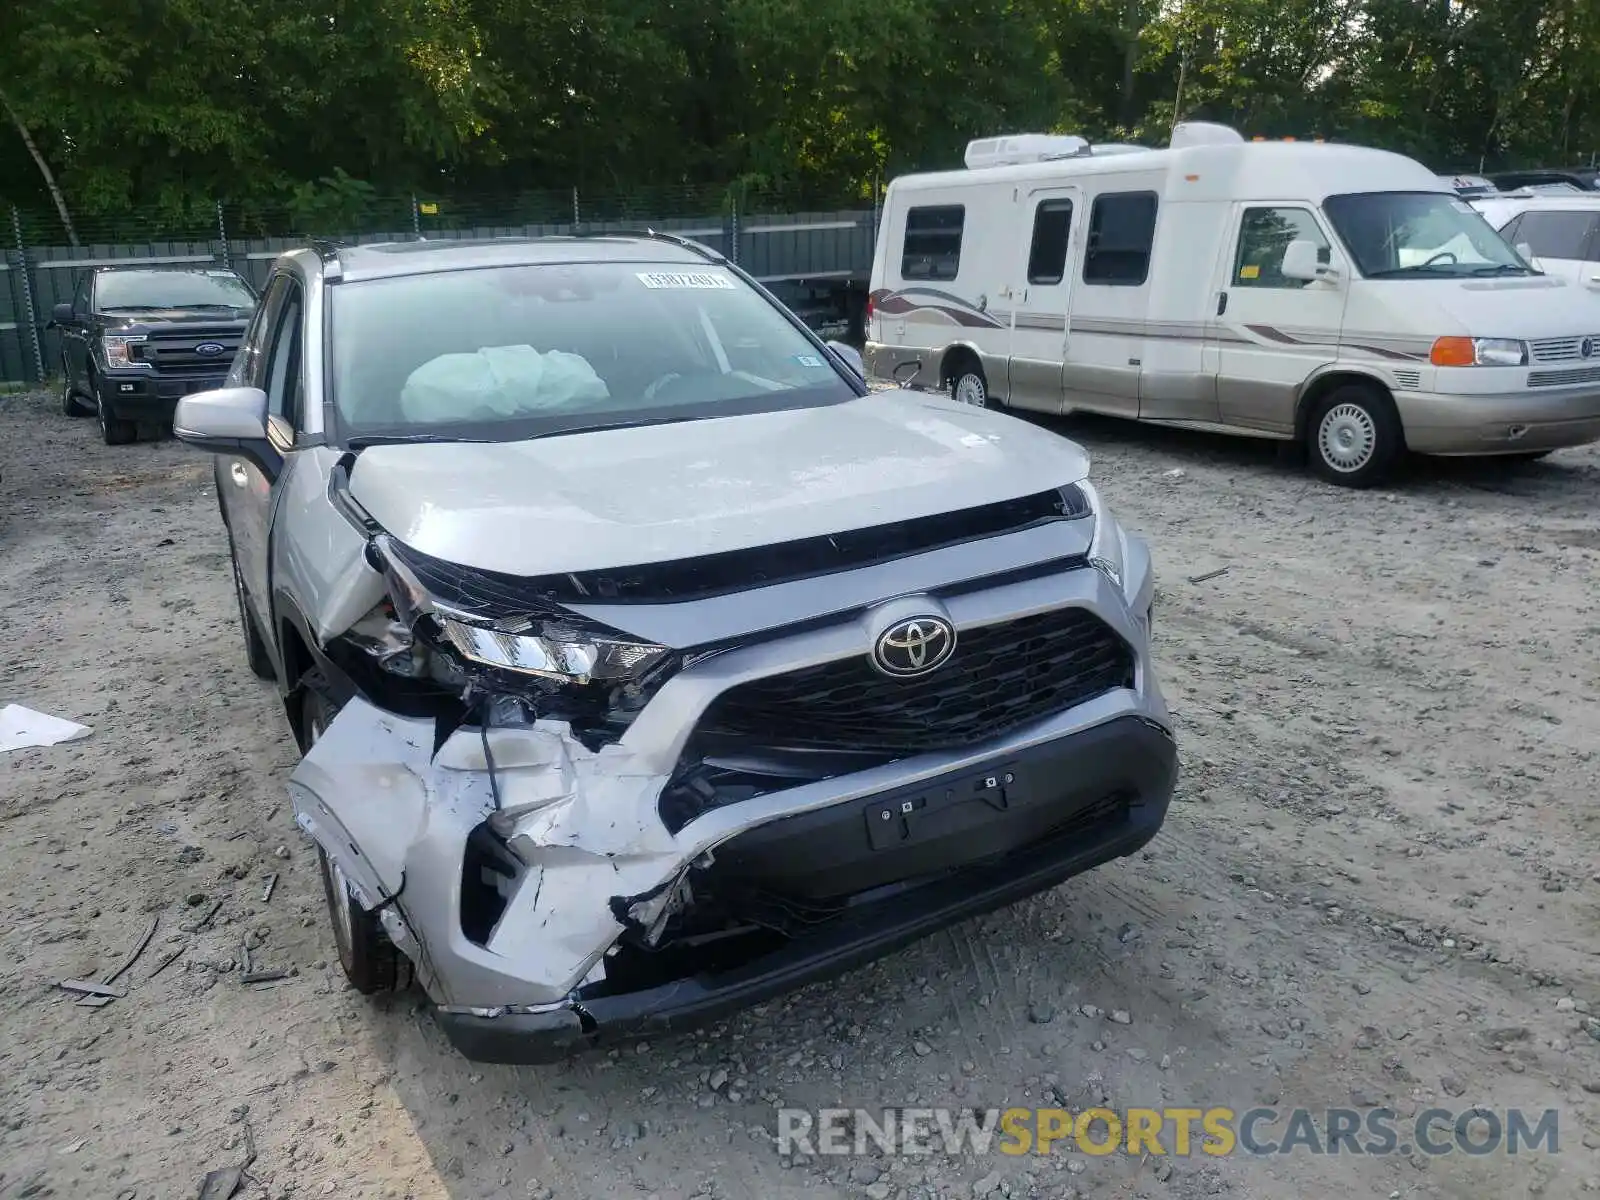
point(493, 643)
point(1107, 554)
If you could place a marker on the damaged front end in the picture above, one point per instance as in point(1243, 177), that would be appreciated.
point(472, 788)
point(571, 828)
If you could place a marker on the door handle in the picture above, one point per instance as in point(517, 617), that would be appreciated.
point(240, 475)
point(1222, 303)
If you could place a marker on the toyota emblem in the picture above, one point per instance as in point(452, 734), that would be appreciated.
point(914, 646)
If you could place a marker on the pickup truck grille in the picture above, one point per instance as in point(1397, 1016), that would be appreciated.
point(1001, 676)
point(176, 354)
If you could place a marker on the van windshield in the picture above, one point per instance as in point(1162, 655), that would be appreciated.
point(1422, 235)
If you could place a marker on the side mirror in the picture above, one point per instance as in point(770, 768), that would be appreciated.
point(1300, 262)
point(851, 358)
point(61, 314)
point(1526, 251)
point(228, 421)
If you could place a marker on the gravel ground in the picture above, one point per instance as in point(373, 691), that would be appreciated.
point(1377, 884)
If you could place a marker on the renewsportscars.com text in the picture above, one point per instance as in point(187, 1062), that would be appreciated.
point(1180, 1132)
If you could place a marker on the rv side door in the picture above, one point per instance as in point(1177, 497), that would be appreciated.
point(1041, 297)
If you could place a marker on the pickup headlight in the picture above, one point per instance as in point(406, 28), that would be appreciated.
point(1478, 352)
point(118, 350)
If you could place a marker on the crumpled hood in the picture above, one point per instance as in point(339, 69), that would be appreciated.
point(628, 496)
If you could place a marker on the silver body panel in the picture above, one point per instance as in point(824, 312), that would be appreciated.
point(394, 811)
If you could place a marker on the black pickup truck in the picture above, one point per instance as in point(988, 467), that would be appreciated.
point(135, 339)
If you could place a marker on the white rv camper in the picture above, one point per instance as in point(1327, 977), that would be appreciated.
point(1337, 295)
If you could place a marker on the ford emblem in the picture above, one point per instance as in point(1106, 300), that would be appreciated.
point(210, 349)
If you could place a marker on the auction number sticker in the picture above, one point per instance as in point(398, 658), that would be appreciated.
point(705, 280)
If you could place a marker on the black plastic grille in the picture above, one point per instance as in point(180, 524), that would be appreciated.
point(175, 352)
point(1000, 677)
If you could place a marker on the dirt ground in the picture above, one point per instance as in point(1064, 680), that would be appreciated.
point(1377, 885)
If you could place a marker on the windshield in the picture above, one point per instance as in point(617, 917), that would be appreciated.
point(510, 352)
point(1421, 234)
point(172, 289)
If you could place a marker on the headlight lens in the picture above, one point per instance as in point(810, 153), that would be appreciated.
point(119, 350)
point(558, 649)
point(1478, 352)
point(1105, 551)
point(550, 652)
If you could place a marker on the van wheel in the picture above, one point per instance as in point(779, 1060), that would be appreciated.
point(1354, 436)
point(370, 960)
point(968, 386)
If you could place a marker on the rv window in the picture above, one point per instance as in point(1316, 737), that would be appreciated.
point(1556, 234)
point(1264, 234)
point(1122, 228)
point(932, 247)
point(1047, 258)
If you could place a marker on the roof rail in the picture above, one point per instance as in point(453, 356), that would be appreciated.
point(700, 248)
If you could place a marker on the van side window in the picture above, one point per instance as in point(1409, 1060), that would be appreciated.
point(1556, 234)
point(932, 248)
point(1122, 228)
point(1264, 234)
point(1047, 257)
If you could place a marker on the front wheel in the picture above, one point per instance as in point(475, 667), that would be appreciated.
point(71, 405)
point(114, 430)
point(371, 962)
point(1354, 436)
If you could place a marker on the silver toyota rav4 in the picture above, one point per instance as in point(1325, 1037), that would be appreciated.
point(645, 663)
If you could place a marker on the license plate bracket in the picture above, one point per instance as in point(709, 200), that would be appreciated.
point(942, 809)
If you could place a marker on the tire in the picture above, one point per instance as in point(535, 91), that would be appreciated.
point(1526, 456)
point(370, 960)
point(255, 646)
point(968, 385)
point(114, 430)
point(71, 405)
point(1354, 437)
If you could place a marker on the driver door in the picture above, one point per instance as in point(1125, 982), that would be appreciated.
point(1270, 332)
point(270, 360)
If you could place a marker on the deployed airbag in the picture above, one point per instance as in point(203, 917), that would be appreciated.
point(499, 381)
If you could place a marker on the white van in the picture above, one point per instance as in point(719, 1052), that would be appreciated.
point(1558, 232)
point(1336, 295)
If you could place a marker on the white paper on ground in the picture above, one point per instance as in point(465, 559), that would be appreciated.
point(21, 727)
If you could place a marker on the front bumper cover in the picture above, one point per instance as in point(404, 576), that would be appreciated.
point(1130, 757)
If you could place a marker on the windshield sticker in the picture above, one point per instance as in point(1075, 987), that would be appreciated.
point(809, 360)
point(705, 280)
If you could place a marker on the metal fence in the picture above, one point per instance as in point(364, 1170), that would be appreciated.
point(800, 255)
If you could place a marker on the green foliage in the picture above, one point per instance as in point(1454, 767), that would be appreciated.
point(313, 109)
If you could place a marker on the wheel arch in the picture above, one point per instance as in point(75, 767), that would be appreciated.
point(954, 357)
point(1318, 387)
